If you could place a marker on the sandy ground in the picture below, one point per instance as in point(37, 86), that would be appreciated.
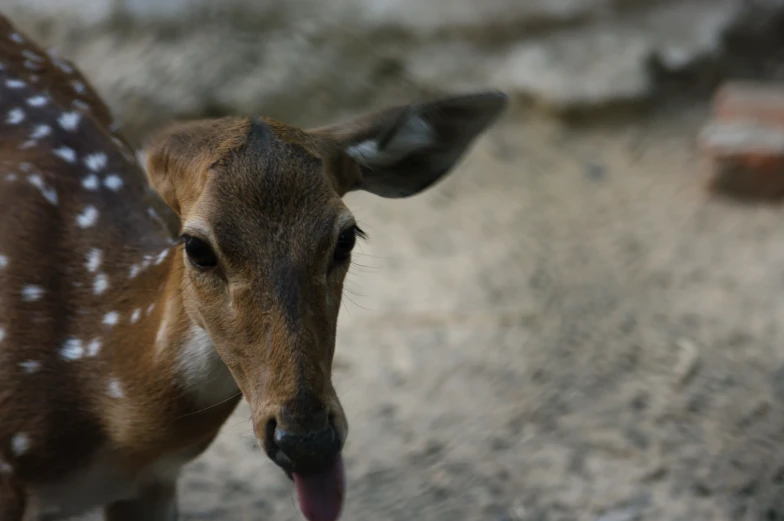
point(566, 329)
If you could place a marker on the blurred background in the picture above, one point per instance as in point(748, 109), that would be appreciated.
point(571, 327)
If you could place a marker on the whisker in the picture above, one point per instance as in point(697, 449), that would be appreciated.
point(369, 255)
point(363, 267)
point(343, 302)
point(240, 422)
point(349, 299)
point(354, 292)
point(209, 407)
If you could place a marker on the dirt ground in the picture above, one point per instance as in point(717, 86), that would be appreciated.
point(566, 329)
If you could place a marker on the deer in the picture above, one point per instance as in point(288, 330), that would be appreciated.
point(139, 303)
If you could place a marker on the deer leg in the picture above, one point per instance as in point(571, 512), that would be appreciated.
point(157, 502)
point(12, 499)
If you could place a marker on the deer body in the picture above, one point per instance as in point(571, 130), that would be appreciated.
point(96, 399)
point(123, 349)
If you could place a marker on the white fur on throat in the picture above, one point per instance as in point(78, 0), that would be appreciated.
point(415, 134)
point(204, 374)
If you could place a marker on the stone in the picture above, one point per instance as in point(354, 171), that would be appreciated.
point(761, 102)
point(310, 62)
point(742, 147)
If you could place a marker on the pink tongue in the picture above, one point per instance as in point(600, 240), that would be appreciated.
point(321, 495)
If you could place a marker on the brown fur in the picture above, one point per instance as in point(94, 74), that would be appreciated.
point(265, 196)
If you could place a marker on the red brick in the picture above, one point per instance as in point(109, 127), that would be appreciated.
point(750, 101)
point(743, 146)
point(744, 159)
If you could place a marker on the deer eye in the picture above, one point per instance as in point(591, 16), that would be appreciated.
point(199, 252)
point(346, 241)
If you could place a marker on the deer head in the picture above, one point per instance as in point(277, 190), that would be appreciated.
point(267, 243)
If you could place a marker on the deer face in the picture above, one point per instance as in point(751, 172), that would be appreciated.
point(267, 244)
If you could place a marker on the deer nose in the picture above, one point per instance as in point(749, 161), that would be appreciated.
point(308, 452)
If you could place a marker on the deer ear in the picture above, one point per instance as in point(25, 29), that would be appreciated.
point(178, 156)
point(404, 150)
point(163, 153)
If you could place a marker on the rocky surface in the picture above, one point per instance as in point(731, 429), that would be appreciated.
point(307, 60)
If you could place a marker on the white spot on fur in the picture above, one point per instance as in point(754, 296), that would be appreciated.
point(94, 347)
point(30, 366)
point(63, 65)
point(90, 182)
point(14, 83)
point(37, 101)
point(115, 389)
point(73, 349)
point(36, 181)
point(20, 444)
point(204, 373)
point(95, 162)
point(135, 315)
point(3, 261)
point(16, 37)
point(88, 217)
point(2, 334)
point(65, 153)
point(135, 269)
point(161, 256)
point(111, 318)
point(33, 66)
point(50, 194)
point(31, 293)
point(69, 120)
point(10, 177)
point(100, 284)
point(41, 131)
point(81, 105)
point(78, 87)
point(150, 308)
point(152, 213)
point(30, 55)
point(113, 182)
point(94, 259)
point(15, 116)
